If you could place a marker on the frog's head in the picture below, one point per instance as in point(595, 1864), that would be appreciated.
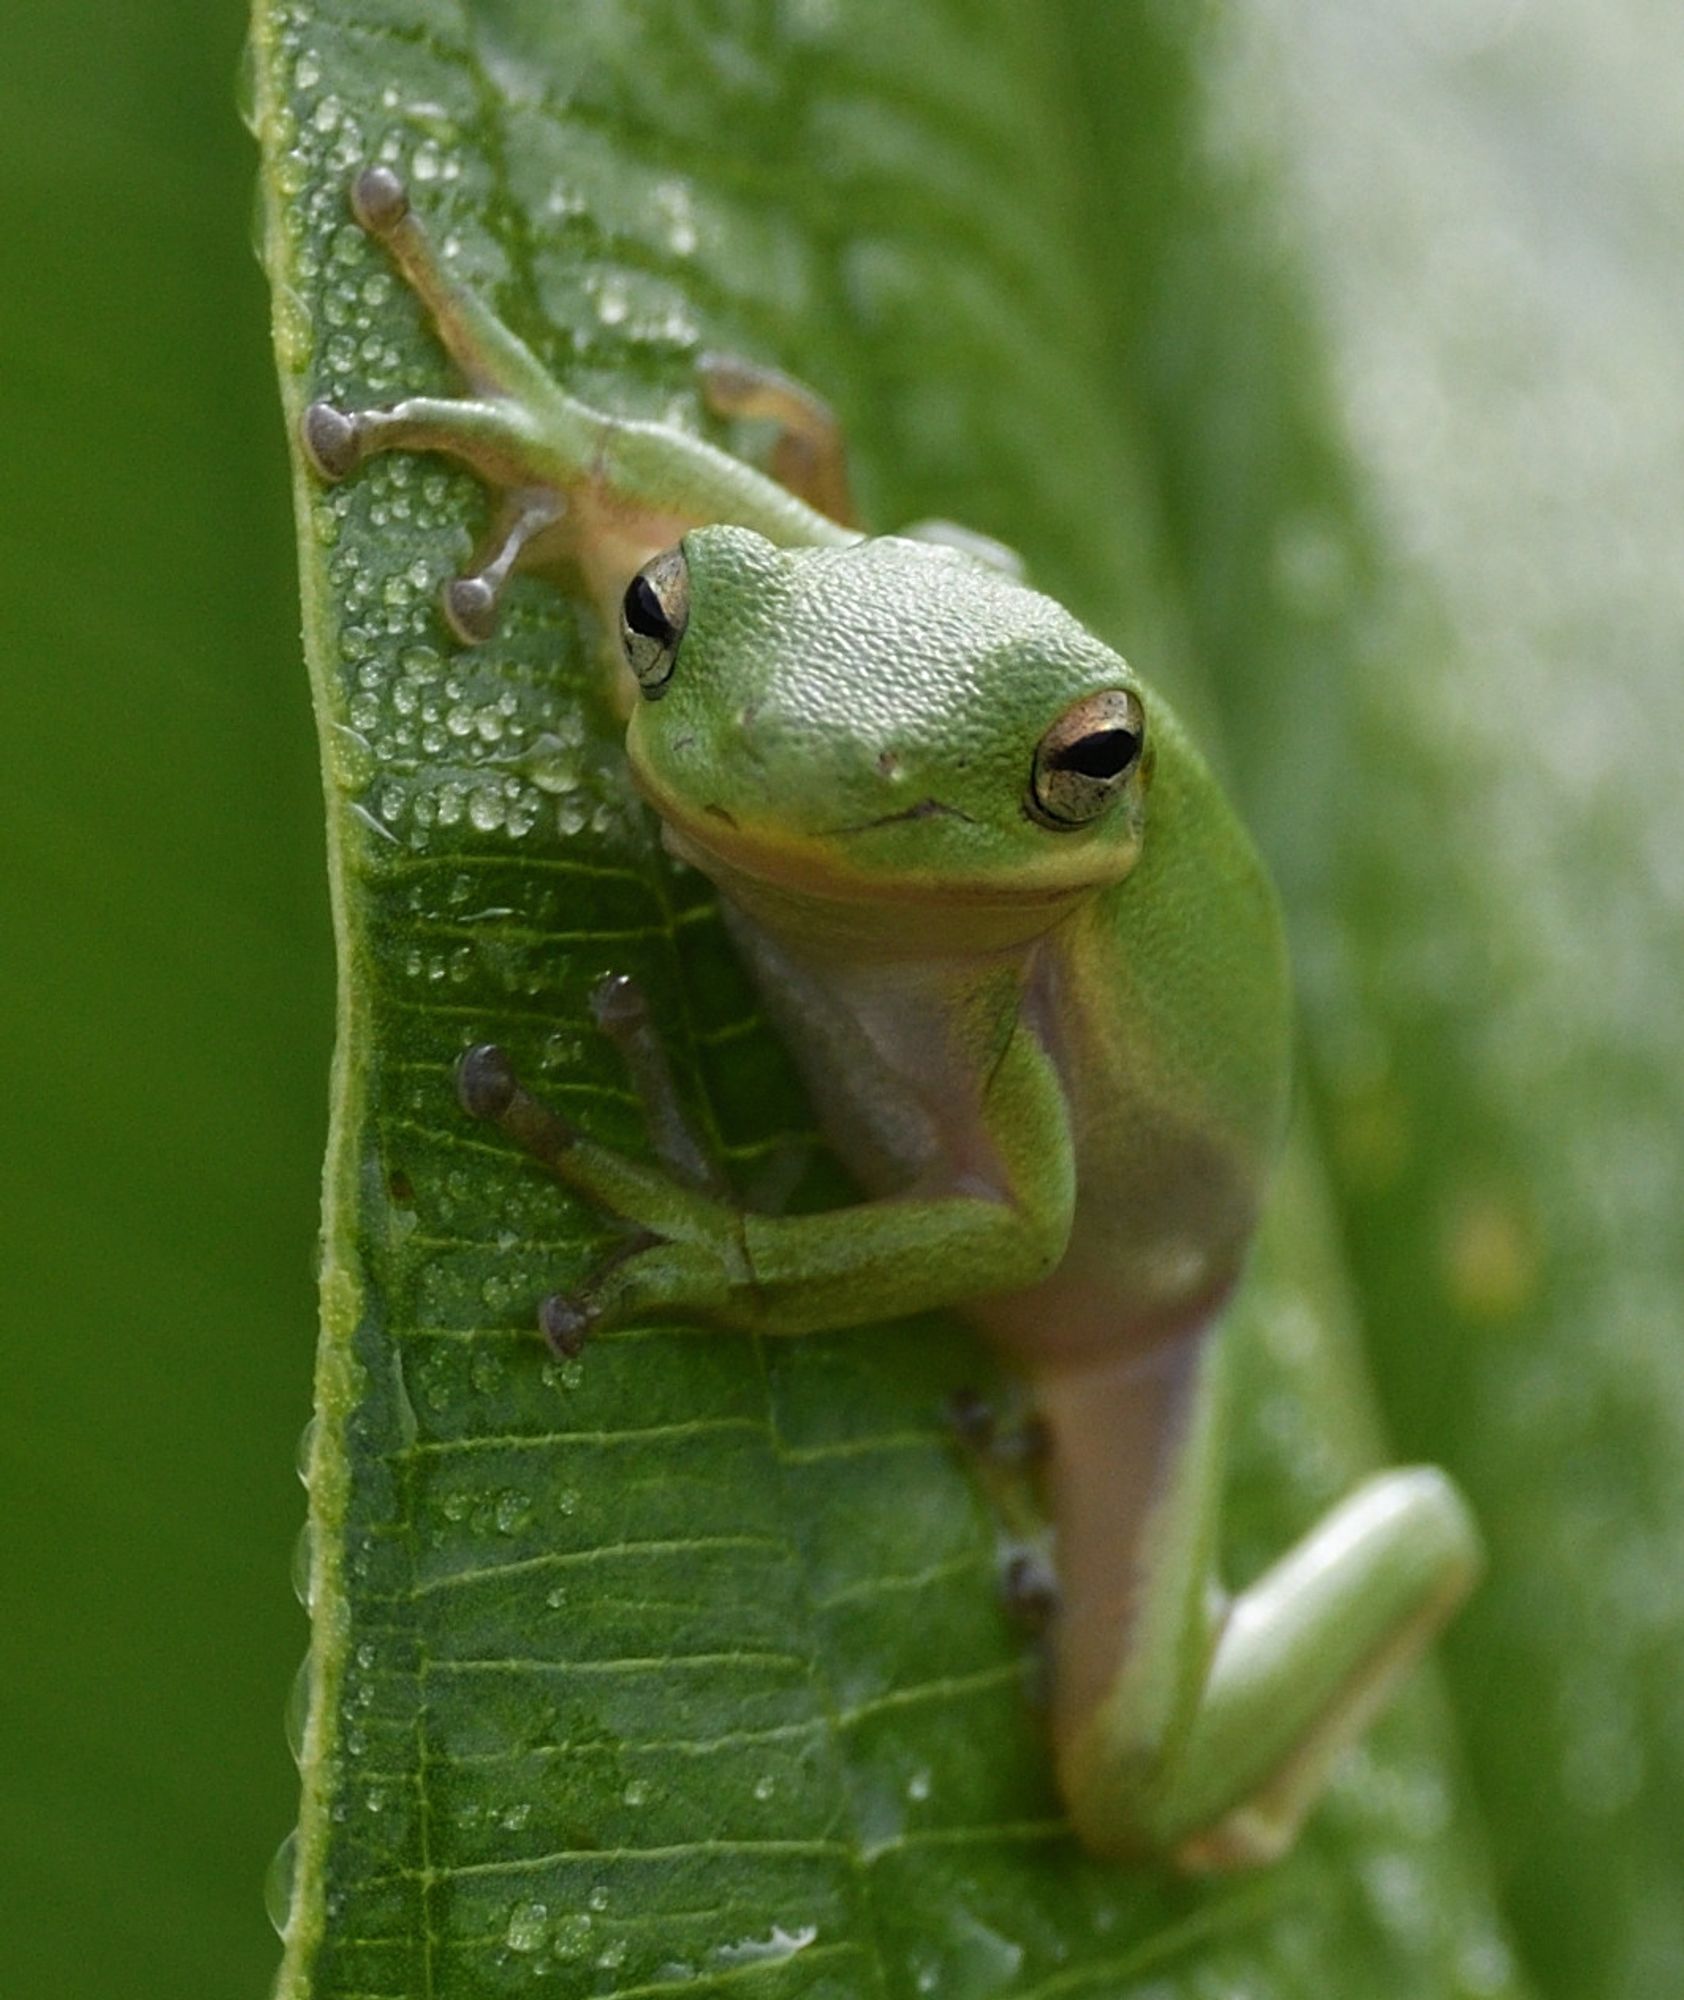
point(891, 720)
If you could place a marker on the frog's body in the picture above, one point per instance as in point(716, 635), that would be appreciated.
point(1032, 970)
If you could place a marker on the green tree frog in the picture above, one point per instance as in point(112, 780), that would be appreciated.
point(1032, 970)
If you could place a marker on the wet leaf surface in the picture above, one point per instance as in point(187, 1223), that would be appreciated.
point(683, 1665)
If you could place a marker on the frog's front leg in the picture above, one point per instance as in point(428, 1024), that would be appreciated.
point(699, 1254)
point(1194, 1727)
point(581, 492)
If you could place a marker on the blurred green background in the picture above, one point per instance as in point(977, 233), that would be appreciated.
point(169, 1013)
point(1420, 320)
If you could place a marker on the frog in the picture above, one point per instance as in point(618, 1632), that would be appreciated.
point(1032, 970)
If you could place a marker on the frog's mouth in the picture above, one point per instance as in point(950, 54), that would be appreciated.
point(924, 809)
point(808, 882)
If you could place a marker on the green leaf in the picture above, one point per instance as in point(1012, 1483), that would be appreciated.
point(683, 1665)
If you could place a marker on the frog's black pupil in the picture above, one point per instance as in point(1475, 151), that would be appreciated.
point(1106, 753)
point(643, 613)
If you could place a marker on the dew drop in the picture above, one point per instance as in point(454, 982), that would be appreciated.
point(572, 1936)
point(772, 1950)
point(528, 1927)
point(303, 1549)
point(298, 1710)
point(245, 86)
point(278, 1883)
point(306, 1448)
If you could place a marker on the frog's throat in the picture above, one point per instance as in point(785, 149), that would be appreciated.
point(806, 893)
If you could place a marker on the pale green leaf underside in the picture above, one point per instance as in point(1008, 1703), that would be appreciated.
point(683, 1666)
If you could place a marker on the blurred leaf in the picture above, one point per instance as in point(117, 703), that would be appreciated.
point(685, 1663)
point(1406, 341)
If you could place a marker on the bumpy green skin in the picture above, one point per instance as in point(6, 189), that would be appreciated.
point(1053, 1050)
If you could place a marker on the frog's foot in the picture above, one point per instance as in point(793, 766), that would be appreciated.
point(1029, 1583)
point(1020, 1447)
point(337, 441)
point(565, 1320)
point(679, 1257)
point(1008, 1460)
point(1302, 1662)
point(809, 457)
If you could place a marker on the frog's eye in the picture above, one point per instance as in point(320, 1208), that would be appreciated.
point(1086, 758)
point(653, 615)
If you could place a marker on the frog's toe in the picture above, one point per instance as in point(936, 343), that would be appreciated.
point(379, 200)
point(332, 441)
point(470, 609)
point(619, 1005)
point(487, 1087)
point(1030, 1585)
point(565, 1322)
point(472, 602)
point(1023, 1446)
point(972, 1419)
point(485, 1081)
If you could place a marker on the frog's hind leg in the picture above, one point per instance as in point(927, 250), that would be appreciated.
point(809, 456)
point(1009, 1458)
point(1190, 1726)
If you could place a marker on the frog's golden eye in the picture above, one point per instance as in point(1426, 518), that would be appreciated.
point(1086, 758)
point(653, 615)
